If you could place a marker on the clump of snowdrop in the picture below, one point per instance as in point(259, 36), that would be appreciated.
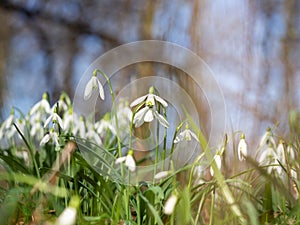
point(149, 111)
point(270, 153)
point(242, 148)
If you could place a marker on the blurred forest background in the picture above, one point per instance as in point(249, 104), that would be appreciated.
point(253, 47)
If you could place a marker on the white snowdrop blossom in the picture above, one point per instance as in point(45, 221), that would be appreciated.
point(218, 161)
point(10, 120)
point(68, 119)
point(52, 135)
point(63, 104)
point(242, 148)
point(294, 174)
point(149, 97)
point(129, 161)
point(42, 105)
point(267, 139)
point(290, 152)
point(93, 83)
point(186, 135)
point(79, 127)
point(104, 125)
point(170, 204)
point(37, 129)
point(69, 215)
point(149, 112)
point(280, 152)
point(55, 118)
point(91, 134)
point(161, 175)
point(268, 157)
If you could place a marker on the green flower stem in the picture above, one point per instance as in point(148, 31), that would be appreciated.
point(113, 101)
point(212, 207)
point(35, 165)
point(165, 143)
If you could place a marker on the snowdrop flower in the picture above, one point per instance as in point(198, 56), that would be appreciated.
point(37, 129)
point(124, 114)
point(280, 152)
point(161, 175)
point(41, 105)
point(93, 135)
point(149, 97)
point(63, 104)
point(104, 125)
point(268, 157)
point(68, 119)
point(129, 161)
point(69, 215)
point(290, 152)
point(198, 174)
point(267, 139)
point(149, 112)
point(218, 161)
point(170, 204)
point(55, 118)
point(10, 120)
point(93, 83)
point(186, 135)
point(294, 174)
point(52, 135)
point(242, 148)
point(79, 127)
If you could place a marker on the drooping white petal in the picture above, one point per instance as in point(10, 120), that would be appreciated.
point(194, 135)
point(179, 138)
point(218, 161)
point(130, 163)
point(242, 149)
point(161, 119)
point(35, 107)
point(67, 217)
point(9, 121)
point(57, 118)
point(101, 91)
point(160, 100)
point(138, 101)
point(161, 175)
point(280, 153)
point(120, 160)
point(55, 138)
point(170, 205)
point(48, 120)
point(89, 88)
point(138, 119)
point(149, 116)
point(45, 139)
point(45, 105)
